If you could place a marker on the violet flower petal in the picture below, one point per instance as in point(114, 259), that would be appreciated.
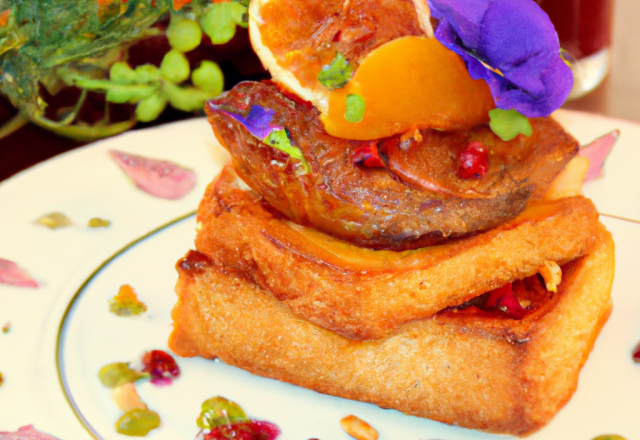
point(12, 274)
point(512, 45)
point(157, 177)
point(597, 151)
point(25, 433)
point(258, 121)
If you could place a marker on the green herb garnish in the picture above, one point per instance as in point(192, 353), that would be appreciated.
point(336, 74)
point(507, 124)
point(279, 139)
point(355, 108)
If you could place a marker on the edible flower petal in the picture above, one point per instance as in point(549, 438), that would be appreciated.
point(512, 45)
point(12, 274)
point(26, 433)
point(258, 121)
point(156, 177)
point(597, 151)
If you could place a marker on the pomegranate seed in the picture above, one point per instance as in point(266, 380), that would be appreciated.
point(252, 430)
point(505, 300)
point(473, 161)
point(161, 366)
point(636, 354)
point(368, 156)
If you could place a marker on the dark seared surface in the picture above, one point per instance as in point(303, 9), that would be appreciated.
point(372, 207)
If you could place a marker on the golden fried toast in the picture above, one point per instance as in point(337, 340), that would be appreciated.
point(366, 294)
point(459, 366)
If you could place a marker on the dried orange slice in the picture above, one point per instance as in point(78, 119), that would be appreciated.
point(403, 79)
point(294, 39)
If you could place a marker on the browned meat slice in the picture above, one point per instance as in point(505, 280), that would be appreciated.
point(372, 207)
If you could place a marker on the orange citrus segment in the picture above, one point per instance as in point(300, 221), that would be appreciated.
point(411, 82)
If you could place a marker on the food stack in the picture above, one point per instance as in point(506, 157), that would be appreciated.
point(428, 262)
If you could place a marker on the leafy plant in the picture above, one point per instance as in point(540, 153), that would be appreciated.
point(53, 44)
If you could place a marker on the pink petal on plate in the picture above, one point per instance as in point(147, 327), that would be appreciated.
point(11, 273)
point(597, 151)
point(157, 177)
point(25, 433)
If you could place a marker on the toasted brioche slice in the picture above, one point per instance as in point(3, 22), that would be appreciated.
point(481, 372)
point(366, 294)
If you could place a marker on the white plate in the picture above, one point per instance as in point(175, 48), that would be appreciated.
point(72, 302)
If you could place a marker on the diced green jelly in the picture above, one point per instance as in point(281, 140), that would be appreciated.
point(138, 422)
point(117, 374)
point(219, 411)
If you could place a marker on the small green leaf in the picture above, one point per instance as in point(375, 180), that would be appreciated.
point(184, 35)
point(507, 124)
point(147, 73)
point(279, 139)
point(208, 77)
point(121, 94)
point(336, 74)
point(219, 411)
point(150, 108)
point(117, 374)
point(122, 73)
point(355, 108)
point(185, 98)
point(220, 20)
point(175, 67)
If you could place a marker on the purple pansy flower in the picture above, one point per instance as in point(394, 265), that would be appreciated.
point(512, 45)
point(257, 121)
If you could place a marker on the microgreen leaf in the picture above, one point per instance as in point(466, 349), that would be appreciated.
point(279, 139)
point(336, 74)
point(507, 124)
point(355, 108)
point(221, 19)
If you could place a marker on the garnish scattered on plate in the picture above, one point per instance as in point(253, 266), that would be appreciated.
point(222, 419)
point(54, 220)
point(126, 302)
point(97, 222)
point(597, 151)
point(14, 275)
point(159, 178)
point(120, 377)
point(358, 428)
point(26, 433)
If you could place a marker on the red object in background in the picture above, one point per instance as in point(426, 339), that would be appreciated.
point(583, 26)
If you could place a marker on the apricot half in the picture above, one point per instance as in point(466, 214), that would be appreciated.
point(411, 82)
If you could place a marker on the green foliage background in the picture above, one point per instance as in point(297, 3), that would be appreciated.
point(50, 43)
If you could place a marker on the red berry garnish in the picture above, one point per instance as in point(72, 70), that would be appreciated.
point(251, 430)
point(161, 366)
point(636, 354)
point(505, 300)
point(473, 161)
point(368, 156)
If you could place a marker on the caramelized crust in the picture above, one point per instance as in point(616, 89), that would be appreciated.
point(366, 294)
point(496, 375)
point(419, 201)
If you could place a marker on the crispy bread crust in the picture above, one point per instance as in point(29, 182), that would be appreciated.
point(365, 294)
point(495, 375)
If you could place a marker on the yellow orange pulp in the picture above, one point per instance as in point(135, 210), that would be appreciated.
point(411, 82)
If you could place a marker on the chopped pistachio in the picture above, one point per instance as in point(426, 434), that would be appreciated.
point(54, 220)
point(97, 222)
